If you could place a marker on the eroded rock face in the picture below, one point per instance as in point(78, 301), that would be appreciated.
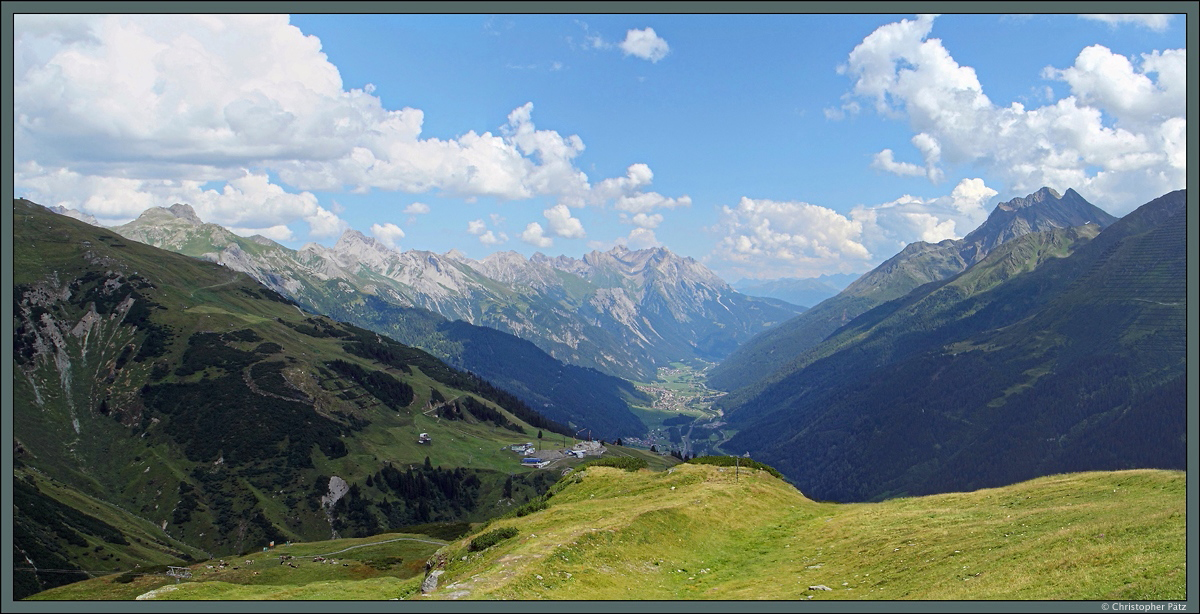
point(431, 581)
point(65, 349)
point(337, 489)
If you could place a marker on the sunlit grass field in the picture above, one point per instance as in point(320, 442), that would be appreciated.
point(706, 532)
point(700, 532)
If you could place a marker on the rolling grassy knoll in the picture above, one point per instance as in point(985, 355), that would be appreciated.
point(697, 532)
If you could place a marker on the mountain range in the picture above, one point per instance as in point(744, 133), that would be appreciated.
point(623, 312)
point(1058, 350)
point(917, 264)
point(167, 408)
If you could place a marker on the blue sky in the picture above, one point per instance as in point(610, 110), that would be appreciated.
point(765, 146)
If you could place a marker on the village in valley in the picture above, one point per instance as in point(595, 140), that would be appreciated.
point(681, 417)
point(681, 387)
point(681, 422)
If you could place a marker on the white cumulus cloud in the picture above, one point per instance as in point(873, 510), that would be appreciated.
point(276, 233)
point(493, 238)
point(890, 226)
point(643, 220)
point(645, 44)
point(1123, 161)
point(639, 238)
point(324, 224)
point(387, 232)
point(796, 236)
point(1110, 81)
point(158, 102)
point(486, 236)
point(643, 202)
point(636, 176)
point(251, 202)
point(885, 161)
point(561, 223)
point(535, 236)
point(798, 239)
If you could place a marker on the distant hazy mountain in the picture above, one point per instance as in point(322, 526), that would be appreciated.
point(1055, 352)
point(79, 215)
point(622, 312)
point(805, 292)
point(918, 263)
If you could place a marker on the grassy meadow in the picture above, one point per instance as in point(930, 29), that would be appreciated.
point(700, 532)
point(705, 532)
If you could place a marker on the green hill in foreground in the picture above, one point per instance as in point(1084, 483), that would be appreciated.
point(702, 532)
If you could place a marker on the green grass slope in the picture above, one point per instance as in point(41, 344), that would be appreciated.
point(61, 536)
point(702, 532)
point(365, 568)
point(721, 533)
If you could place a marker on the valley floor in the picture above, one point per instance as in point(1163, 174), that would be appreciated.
point(682, 400)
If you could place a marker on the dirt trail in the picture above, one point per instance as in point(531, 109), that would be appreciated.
point(224, 283)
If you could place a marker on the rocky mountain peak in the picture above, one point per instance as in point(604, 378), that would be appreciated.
point(457, 256)
point(72, 213)
point(352, 237)
point(1040, 196)
point(509, 256)
point(185, 212)
point(1043, 210)
point(354, 248)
